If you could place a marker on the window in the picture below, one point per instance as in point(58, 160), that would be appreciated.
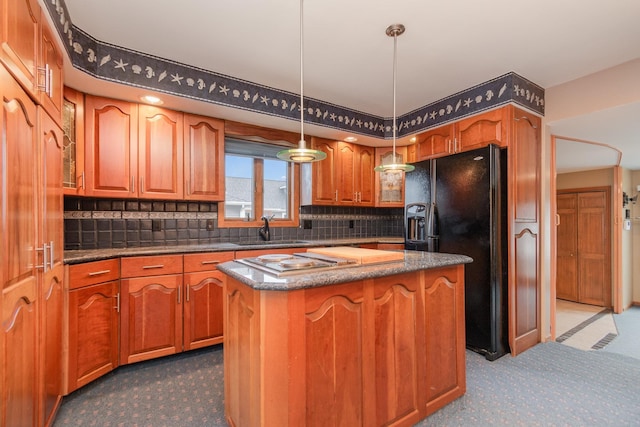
point(258, 184)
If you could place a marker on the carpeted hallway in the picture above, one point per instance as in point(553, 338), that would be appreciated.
point(551, 384)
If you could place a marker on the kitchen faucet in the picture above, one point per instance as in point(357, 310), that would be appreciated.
point(264, 230)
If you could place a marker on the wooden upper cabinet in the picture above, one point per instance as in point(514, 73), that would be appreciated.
point(31, 53)
point(132, 151)
point(434, 143)
point(412, 153)
point(467, 134)
point(20, 32)
point(319, 188)
point(203, 158)
point(345, 177)
point(365, 175)
point(51, 73)
point(481, 130)
point(346, 174)
point(111, 155)
point(160, 152)
point(73, 178)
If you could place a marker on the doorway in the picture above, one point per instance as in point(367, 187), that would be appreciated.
point(584, 246)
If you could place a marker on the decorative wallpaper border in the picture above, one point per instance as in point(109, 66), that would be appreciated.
point(120, 65)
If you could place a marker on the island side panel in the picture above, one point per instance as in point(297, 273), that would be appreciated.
point(398, 317)
point(241, 354)
point(334, 320)
point(445, 337)
point(384, 351)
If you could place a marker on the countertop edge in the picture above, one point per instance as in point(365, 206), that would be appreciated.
point(414, 261)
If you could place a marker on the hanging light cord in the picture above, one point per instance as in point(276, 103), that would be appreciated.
point(302, 141)
point(395, 71)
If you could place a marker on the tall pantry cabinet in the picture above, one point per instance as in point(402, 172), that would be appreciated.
point(31, 294)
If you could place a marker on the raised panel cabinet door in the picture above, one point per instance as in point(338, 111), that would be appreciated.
point(203, 317)
point(567, 252)
point(160, 153)
point(19, 344)
point(523, 211)
point(397, 323)
point(242, 367)
point(52, 209)
point(52, 296)
point(203, 158)
point(20, 32)
point(346, 177)
point(365, 176)
point(444, 336)
point(19, 148)
point(51, 60)
point(93, 333)
point(435, 143)
point(481, 130)
point(51, 326)
point(151, 321)
point(111, 149)
point(324, 185)
point(333, 348)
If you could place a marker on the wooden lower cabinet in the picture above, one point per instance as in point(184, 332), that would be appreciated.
point(51, 326)
point(386, 351)
point(93, 321)
point(203, 320)
point(19, 388)
point(151, 320)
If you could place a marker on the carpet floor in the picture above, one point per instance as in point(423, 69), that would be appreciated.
point(548, 385)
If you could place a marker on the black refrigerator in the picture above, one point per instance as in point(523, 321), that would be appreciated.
point(464, 197)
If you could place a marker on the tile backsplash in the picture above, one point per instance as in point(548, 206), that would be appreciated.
point(116, 223)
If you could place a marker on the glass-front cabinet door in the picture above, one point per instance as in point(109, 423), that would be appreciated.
point(73, 150)
point(390, 184)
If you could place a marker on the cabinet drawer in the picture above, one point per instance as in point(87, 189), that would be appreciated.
point(151, 265)
point(90, 273)
point(205, 261)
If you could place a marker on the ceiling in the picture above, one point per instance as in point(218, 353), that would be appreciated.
point(448, 46)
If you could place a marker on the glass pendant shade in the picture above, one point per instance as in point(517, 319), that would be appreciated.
point(302, 154)
point(394, 31)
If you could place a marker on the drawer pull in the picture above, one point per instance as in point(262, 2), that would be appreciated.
point(97, 273)
point(148, 267)
point(210, 262)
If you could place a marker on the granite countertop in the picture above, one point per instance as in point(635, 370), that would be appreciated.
point(413, 261)
point(81, 256)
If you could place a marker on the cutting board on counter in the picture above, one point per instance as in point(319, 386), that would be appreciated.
point(361, 255)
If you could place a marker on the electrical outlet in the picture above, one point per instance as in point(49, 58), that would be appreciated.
point(209, 225)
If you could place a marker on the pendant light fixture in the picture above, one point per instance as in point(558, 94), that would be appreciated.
point(302, 154)
point(394, 31)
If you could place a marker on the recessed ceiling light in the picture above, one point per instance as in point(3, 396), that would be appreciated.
point(150, 99)
point(350, 139)
point(413, 139)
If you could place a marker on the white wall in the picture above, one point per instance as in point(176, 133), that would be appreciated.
point(610, 88)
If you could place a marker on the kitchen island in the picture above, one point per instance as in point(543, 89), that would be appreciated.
point(366, 345)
